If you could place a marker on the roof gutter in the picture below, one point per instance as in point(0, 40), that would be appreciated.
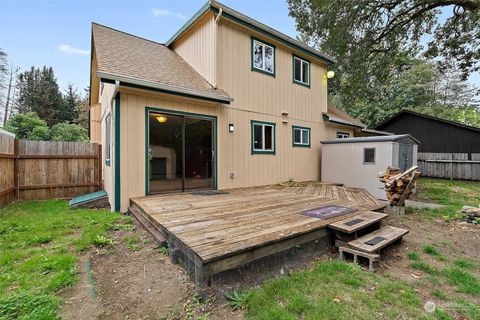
point(343, 122)
point(165, 88)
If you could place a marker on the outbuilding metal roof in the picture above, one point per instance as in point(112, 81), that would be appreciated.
point(398, 137)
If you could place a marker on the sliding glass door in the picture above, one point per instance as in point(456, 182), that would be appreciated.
point(181, 153)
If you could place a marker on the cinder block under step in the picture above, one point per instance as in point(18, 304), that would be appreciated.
point(369, 245)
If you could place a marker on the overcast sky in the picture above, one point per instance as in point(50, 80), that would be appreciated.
point(57, 32)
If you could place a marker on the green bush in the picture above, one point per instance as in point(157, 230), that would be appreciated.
point(68, 132)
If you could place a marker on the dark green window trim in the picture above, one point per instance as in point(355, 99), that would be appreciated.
point(117, 152)
point(293, 71)
point(274, 58)
point(301, 145)
point(179, 113)
point(252, 123)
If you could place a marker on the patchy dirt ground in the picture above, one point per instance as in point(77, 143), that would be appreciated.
point(136, 279)
point(136, 282)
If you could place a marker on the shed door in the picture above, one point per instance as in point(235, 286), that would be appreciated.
point(406, 156)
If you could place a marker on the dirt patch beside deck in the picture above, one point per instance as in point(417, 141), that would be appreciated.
point(142, 284)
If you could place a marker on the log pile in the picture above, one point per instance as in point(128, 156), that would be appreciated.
point(398, 185)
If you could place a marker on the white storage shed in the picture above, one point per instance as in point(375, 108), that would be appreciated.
point(356, 162)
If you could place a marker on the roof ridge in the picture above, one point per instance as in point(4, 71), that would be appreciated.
point(127, 33)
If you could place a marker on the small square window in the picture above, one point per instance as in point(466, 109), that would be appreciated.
point(343, 135)
point(301, 71)
point(263, 137)
point(301, 136)
point(369, 156)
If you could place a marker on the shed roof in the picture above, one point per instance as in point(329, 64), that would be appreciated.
point(138, 61)
point(421, 115)
point(336, 115)
point(399, 137)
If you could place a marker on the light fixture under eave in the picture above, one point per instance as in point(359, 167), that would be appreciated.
point(161, 119)
point(330, 74)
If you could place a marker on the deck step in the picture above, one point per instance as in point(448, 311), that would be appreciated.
point(358, 222)
point(147, 225)
point(373, 242)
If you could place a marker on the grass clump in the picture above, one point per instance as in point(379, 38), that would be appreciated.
point(133, 243)
point(334, 290)
point(413, 256)
point(465, 282)
point(40, 243)
point(438, 294)
point(425, 267)
point(464, 264)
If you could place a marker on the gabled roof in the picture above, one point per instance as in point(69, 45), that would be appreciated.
point(143, 63)
point(338, 116)
point(398, 137)
point(421, 115)
point(253, 24)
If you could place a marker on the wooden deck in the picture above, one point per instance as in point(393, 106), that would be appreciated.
point(223, 231)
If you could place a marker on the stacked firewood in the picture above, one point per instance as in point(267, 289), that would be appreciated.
point(398, 186)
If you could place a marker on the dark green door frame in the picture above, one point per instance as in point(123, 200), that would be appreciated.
point(149, 110)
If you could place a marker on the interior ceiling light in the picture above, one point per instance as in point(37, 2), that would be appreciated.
point(162, 119)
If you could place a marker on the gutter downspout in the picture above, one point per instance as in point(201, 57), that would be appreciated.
point(112, 173)
point(215, 47)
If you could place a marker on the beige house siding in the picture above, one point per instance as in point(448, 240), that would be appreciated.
point(197, 47)
point(332, 129)
point(256, 97)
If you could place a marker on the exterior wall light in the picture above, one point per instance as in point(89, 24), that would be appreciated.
point(231, 127)
point(330, 74)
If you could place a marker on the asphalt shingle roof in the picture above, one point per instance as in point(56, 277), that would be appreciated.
point(122, 54)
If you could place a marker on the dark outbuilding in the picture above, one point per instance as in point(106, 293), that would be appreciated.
point(435, 135)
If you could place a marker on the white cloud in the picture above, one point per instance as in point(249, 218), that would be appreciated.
point(163, 13)
point(68, 49)
point(160, 12)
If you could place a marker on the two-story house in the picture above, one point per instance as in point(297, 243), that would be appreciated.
point(226, 102)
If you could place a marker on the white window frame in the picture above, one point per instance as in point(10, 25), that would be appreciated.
point(343, 135)
point(263, 44)
point(301, 143)
point(263, 125)
point(108, 139)
point(305, 83)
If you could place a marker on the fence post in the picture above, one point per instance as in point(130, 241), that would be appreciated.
point(451, 168)
point(15, 169)
point(100, 184)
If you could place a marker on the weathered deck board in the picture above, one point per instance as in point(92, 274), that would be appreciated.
point(223, 231)
point(218, 226)
point(368, 217)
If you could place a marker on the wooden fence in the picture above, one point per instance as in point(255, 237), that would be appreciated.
point(450, 165)
point(40, 170)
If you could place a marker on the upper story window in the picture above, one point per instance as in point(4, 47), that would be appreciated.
point(343, 135)
point(263, 137)
point(301, 136)
point(263, 57)
point(301, 71)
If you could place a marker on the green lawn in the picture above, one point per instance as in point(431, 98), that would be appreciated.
point(40, 244)
point(453, 194)
point(338, 290)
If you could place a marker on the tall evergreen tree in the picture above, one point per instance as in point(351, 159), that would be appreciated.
point(38, 92)
point(71, 101)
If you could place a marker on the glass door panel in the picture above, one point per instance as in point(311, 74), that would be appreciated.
point(199, 154)
point(165, 153)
